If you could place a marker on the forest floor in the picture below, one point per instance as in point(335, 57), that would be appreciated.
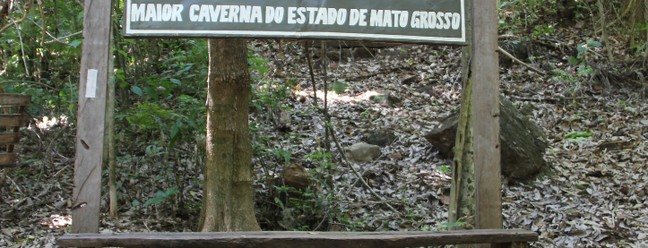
point(592, 193)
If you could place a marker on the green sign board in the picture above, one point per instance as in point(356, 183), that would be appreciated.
point(418, 21)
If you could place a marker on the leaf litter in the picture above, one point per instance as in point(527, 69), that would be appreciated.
point(593, 195)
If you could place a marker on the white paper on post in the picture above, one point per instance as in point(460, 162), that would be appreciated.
point(91, 84)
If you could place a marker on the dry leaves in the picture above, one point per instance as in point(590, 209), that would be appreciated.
point(594, 196)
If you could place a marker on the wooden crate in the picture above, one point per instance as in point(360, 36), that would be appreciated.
point(12, 117)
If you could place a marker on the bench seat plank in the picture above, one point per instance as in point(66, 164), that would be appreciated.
point(290, 239)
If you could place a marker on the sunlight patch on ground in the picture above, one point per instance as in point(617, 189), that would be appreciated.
point(47, 122)
point(335, 98)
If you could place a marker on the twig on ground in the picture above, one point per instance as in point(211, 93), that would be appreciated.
point(507, 54)
point(364, 182)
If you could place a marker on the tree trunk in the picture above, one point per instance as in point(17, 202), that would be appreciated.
point(110, 160)
point(228, 200)
point(636, 14)
point(461, 212)
point(566, 10)
point(4, 10)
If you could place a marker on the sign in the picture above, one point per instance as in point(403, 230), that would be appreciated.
point(418, 21)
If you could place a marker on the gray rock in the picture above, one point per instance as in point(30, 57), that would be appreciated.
point(644, 122)
point(362, 152)
point(380, 138)
point(386, 100)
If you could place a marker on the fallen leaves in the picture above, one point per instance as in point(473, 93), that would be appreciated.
point(595, 194)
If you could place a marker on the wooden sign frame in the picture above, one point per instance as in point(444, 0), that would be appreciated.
point(416, 21)
point(92, 106)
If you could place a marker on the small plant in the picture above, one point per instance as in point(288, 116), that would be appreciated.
point(282, 155)
point(322, 158)
point(300, 208)
point(267, 94)
point(564, 76)
point(160, 196)
point(454, 225)
point(543, 30)
point(578, 136)
point(585, 52)
point(516, 15)
point(339, 87)
point(444, 168)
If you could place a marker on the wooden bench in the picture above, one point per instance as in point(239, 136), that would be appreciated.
point(288, 239)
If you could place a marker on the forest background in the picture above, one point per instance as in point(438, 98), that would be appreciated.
point(587, 90)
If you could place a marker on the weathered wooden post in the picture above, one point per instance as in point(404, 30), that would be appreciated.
point(485, 110)
point(91, 115)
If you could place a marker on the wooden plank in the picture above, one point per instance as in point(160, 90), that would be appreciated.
point(14, 99)
point(486, 146)
point(12, 120)
point(7, 159)
point(298, 239)
point(91, 115)
point(9, 138)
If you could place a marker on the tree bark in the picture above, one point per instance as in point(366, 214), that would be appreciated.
point(461, 211)
point(109, 148)
point(462, 191)
point(228, 200)
point(636, 15)
point(5, 9)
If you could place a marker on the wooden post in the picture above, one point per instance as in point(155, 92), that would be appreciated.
point(486, 146)
point(91, 116)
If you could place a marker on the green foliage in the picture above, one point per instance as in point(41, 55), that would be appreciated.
point(543, 30)
point(148, 115)
point(453, 225)
point(40, 57)
point(641, 45)
point(339, 87)
point(182, 123)
point(519, 15)
point(585, 52)
point(444, 168)
point(160, 196)
point(578, 136)
point(322, 158)
point(563, 75)
point(258, 66)
point(304, 208)
point(301, 209)
point(267, 94)
point(282, 155)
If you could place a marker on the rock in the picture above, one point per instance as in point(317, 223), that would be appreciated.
point(395, 156)
point(523, 142)
point(427, 89)
point(380, 138)
point(385, 100)
point(644, 122)
point(295, 176)
point(362, 152)
point(407, 78)
point(283, 121)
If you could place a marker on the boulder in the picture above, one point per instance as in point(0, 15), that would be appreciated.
point(295, 176)
point(362, 152)
point(380, 138)
point(522, 141)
